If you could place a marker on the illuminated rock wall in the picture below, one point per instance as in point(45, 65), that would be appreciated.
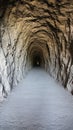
point(31, 28)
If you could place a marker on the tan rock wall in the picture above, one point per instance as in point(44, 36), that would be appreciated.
point(36, 26)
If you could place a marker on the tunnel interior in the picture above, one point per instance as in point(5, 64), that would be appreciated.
point(36, 56)
point(36, 60)
point(35, 36)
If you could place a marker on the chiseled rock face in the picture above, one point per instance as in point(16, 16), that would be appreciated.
point(70, 81)
point(32, 27)
point(4, 84)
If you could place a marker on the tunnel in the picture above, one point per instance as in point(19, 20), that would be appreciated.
point(36, 64)
point(36, 56)
point(35, 36)
point(36, 59)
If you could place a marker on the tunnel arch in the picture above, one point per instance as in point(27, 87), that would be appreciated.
point(37, 54)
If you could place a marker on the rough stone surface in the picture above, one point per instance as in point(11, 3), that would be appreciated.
point(33, 27)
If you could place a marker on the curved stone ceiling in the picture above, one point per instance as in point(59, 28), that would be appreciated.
point(36, 28)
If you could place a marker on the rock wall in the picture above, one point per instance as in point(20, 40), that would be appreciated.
point(42, 27)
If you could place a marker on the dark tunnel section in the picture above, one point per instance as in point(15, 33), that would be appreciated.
point(36, 56)
point(36, 60)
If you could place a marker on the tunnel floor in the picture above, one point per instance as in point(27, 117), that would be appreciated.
point(37, 103)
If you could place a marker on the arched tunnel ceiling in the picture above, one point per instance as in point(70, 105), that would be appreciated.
point(42, 27)
point(38, 19)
